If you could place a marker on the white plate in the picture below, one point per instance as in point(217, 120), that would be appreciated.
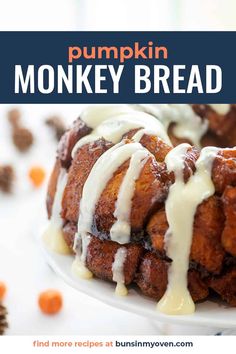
point(208, 313)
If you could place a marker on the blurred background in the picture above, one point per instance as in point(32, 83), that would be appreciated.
point(118, 15)
point(25, 169)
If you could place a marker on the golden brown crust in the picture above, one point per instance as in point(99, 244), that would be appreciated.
point(152, 276)
point(229, 233)
point(150, 192)
point(69, 139)
point(156, 146)
point(101, 255)
point(152, 143)
point(69, 230)
point(78, 173)
point(156, 228)
point(211, 139)
point(206, 246)
point(222, 126)
point(148, 271)
point(152, 279)
point(198, 288)
point(214, 238)
point(225, 286)
point(224, 170)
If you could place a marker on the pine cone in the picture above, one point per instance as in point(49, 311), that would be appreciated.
point(3, 320)
point(6, 178)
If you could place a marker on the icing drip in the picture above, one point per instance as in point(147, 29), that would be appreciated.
point(118, 271)
point(220, 108)
point(181, 205)
point(53, 236)
point(187, 123)
point(120, 230)
point(162, 112)
point(80, 270)
point(112, 128)
point(96, 182)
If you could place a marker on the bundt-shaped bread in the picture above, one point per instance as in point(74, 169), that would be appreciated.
point(117, 182)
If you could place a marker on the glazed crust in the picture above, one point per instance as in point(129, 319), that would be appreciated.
point(150, 192)
point(221, 128)
point(154, 144)
point(68, 141)
point(225, 286)
point(229, 234)
point(213, 234)
point(152, 276)
point(147, 264)
point(78, 173)
point(101, 255)
point(206, 246)
point(144, 268)
point(224, 170)
point(152, 279)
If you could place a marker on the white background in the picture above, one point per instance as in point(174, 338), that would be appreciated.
point(118, 15)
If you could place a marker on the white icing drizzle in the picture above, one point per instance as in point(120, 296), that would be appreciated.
point(187, 123)
point(181, 205)
point(100, 174)
point(162, 112)
point(112, 128)
point(220, 108)
point(80, 270)
point(53, 236)
point(118, 271)
point(120, 230)
point(94, 115)
point(111, 122)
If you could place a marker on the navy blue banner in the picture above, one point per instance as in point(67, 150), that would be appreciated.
point(117, 67)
